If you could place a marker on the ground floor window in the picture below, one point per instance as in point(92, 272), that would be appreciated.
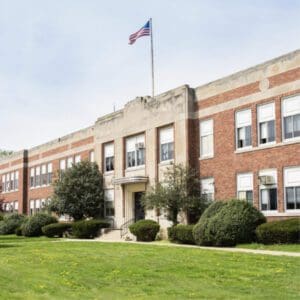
point(268, 199)
point(208, 188)
point(245, 187)
point(109, 203)
point(292, 188)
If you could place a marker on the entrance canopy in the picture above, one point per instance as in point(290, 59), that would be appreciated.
point(130, 180)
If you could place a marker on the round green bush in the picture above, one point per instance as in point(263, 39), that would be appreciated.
point(10, 223)
point(234, 223)
point(200, 232)
point(181, 234)
point(145, 230)
point(56, 229)
point(33, 225)
point(279, 232)
point(88, 229)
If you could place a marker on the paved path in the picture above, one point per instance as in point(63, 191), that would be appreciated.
point(226, 249)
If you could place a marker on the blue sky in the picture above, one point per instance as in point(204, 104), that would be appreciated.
point(63, 63)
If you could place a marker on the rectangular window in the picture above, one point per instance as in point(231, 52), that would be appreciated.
point(31, 207)
point(109, 154)
point(37, 206)
point(109, 203)
point(245, 187)
point(3, 184)
point(70, 162)
point(166, 143)
point(268, 190)
point(208, 188)
point(16, 180)
point(291, 117)
point(12, 181)
point(32, 177)
point(62, 165)
point(16, 206)
point(92, 156)
point(266, 123)
point(292, 188)
point(206, 138)
point(77, 159)
point(7, 183)
point(243, 123)
point(49, 173)
point(37, 176)
point(135, 151)
point(44, 175)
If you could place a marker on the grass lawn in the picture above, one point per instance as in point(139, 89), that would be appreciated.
point(44, 269)
point(288, 248)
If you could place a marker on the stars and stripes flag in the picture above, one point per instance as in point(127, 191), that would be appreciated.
point(144, 31)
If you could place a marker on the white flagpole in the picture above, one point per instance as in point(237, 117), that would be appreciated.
point(152, 58)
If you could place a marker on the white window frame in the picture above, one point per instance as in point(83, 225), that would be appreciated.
point(273, 173)
point(109, 152)
point(139, 138)
point(285, 185)
point(209, 182)
point(247, 189)
point(92, 156)
point(284, 114)
point(110, 198)
point(244, 124)
point(166, 137)
point(272, 117)
point(207, 131)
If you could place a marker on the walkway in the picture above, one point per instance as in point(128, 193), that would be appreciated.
point(226, 249)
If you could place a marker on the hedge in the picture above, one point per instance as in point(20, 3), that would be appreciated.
point(279, 232)
point(56, 229)
point(88, 229)
point(11, 222)
point(181, 234)
point(200, 232)
point(145, 230)
point(232, 223)
point(33, 225)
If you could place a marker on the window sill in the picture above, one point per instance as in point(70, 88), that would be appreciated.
point(109, 173)
point(135, 168)
point(40, 187)
point(13, 191)
point(268, 146)
point(287, 213)
point(206, 157)
point(166, 162)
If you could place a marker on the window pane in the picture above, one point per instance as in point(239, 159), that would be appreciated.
point(290, 201)
point(263, 131)
point(273, 199)
point(264, 196)
point(140, 154)
point(248, 140)
point(288, 127)
point(249, 197)
point(131, 159)
point(296, 125)
point(271, 131)
point(297, 197)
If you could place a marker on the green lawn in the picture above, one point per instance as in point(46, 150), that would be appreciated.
point(288, 248)
point(46, 269)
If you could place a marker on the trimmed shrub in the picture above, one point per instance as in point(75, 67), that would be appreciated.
point(181, 234)
point(235, 222)
point(33, 225)
point(18, 231)
point(145, 230)
point(56, 229)
point(200, 232)
point(279, 232)
point(88, 229)
point(10, 223)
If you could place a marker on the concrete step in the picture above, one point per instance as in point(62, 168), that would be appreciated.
point(110, 235)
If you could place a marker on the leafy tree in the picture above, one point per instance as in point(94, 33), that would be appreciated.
point(4, 153)
point(78, 192)
point(179, 192)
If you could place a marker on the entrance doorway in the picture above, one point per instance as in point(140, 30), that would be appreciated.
point(139, 212)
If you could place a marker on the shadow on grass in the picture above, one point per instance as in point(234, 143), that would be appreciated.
point(8, 245)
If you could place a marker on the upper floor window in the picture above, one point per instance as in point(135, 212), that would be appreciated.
point(268, 190)
point(135, 151)
point(208, 188)
point(109, 157)
point(266, 123)
point(206, 138)
point(292, 187)
point(245, 187)
point(243, 128)
point(291, 117)
point(166, 143)
point(10, 181)
point(70, 162)
point(77, 159)
point(62, 165)
point(92, 156)
point(44, 175)
point(40, 175)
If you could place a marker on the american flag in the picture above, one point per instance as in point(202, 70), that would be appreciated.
point(144, 31)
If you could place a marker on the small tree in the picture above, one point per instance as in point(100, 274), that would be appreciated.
point(78, 192)
point(179, 192)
